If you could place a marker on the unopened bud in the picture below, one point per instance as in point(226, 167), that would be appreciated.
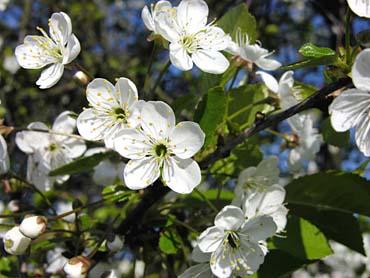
point(115, 245)
point(15, 242)
point(77, 267)
point(81, 77)
point(33, 226)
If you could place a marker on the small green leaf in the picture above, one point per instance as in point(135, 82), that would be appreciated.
point(80, 165)
point(309, 63)
point(303, 240)
point(362, 168)
point(339, 139)
point(210, 114)
point(169, 241)
point(310, 50)
point(116, 193)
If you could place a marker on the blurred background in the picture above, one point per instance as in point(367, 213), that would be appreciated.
point(114, 44)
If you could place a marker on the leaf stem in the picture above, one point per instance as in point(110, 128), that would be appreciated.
point(160, 76)
point(348, 36)
point(204, 198)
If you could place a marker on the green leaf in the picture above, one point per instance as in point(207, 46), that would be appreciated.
point(242, 156)
point(339, 226)
point(310, 50)
point(362, 168)
point(80, 165)
point(309, 63)
point(169, 241)
point(210, 114)
point(303, 91)
point(239, 18)
point(303, 240)
point(116, 193)
point(338, 191)
point(339, 139)
point(244, 103)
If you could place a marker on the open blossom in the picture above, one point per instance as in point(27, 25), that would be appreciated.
point(4, 157)
point(161, 148)
point(149, 16)
point(192, 40)
point(360, 7)
point(56, 51)
point(49, 151)
point(265, 174)
point(112, 109)
point(352, 107)
point(253, 53)
point(234, 242)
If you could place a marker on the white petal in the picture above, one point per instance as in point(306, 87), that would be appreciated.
point(211, 61)
point(270, 81)
point(101, 94)
point(31, 55)
point(252, 254)
point(363, 135)
point(361, 70)
point(166, 25)
point(347, 108)
point(126, 92)
point(259, 228)
point(50, 76)
point(92, 125)
point(210, 239)
point(198, 256)
point(186, 139)
point(192, 14)
point(141, 173)
point(147, 18)
point(60, 28)
point(268, 64)
point(269, 170)
point(64, 123)
point(181, 175)
point(287, 79)
point(72, 50)
point(38, 174)
point(197, 271)
point(28, 141)
point(280, 217)
point(252, 52)
point(233, 48)
point(360, 7)
point(221, 265)
point(179, 57)
point(213, 38)
point(73, 147)
point(4, 157)
point(132, 144)
point(134, 118)
point(157, 119)
point(230, 218)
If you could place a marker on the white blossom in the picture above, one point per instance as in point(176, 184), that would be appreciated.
point(252, 179)
point(77, 267)
point(149, 16)
point(4, 4)
point(4, 157)
point(63, 207)
point(253, 53)
point(15, 242)
point(352, 107)
point(234, 242)
point(107, 172)
point(33, 226)
point(49, 150)
point(360, 7)
point(113, 108)
point(55, 260)
point(192, 40)
point(161, 148)
point(56, 51)
point(116, 244)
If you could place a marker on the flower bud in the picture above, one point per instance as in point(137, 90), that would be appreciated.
point(115, 245)
point(77, 267)
point(33, 226)
point(15, 242)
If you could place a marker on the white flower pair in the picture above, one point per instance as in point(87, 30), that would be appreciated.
point(49, 150)
point(145, 132)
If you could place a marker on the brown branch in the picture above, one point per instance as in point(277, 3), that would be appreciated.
point(157, 191)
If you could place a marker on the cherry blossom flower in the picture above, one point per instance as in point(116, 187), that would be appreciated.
point(234, 242)
point(253, 53)
point(56, 51)
point(360, 7)
point(112, 109)
point(351, 108)
point(149, 16)
point(256, 179)
point(49, 151)
point(161, 148)
point(15, 242)
point(192, 40)
point(4, 157)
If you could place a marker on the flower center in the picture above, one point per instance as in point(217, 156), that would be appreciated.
point(53, 147)
point(119, 114)
point(233, 239)
point(160, 150)
point(189, 43)
point(49, 46)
